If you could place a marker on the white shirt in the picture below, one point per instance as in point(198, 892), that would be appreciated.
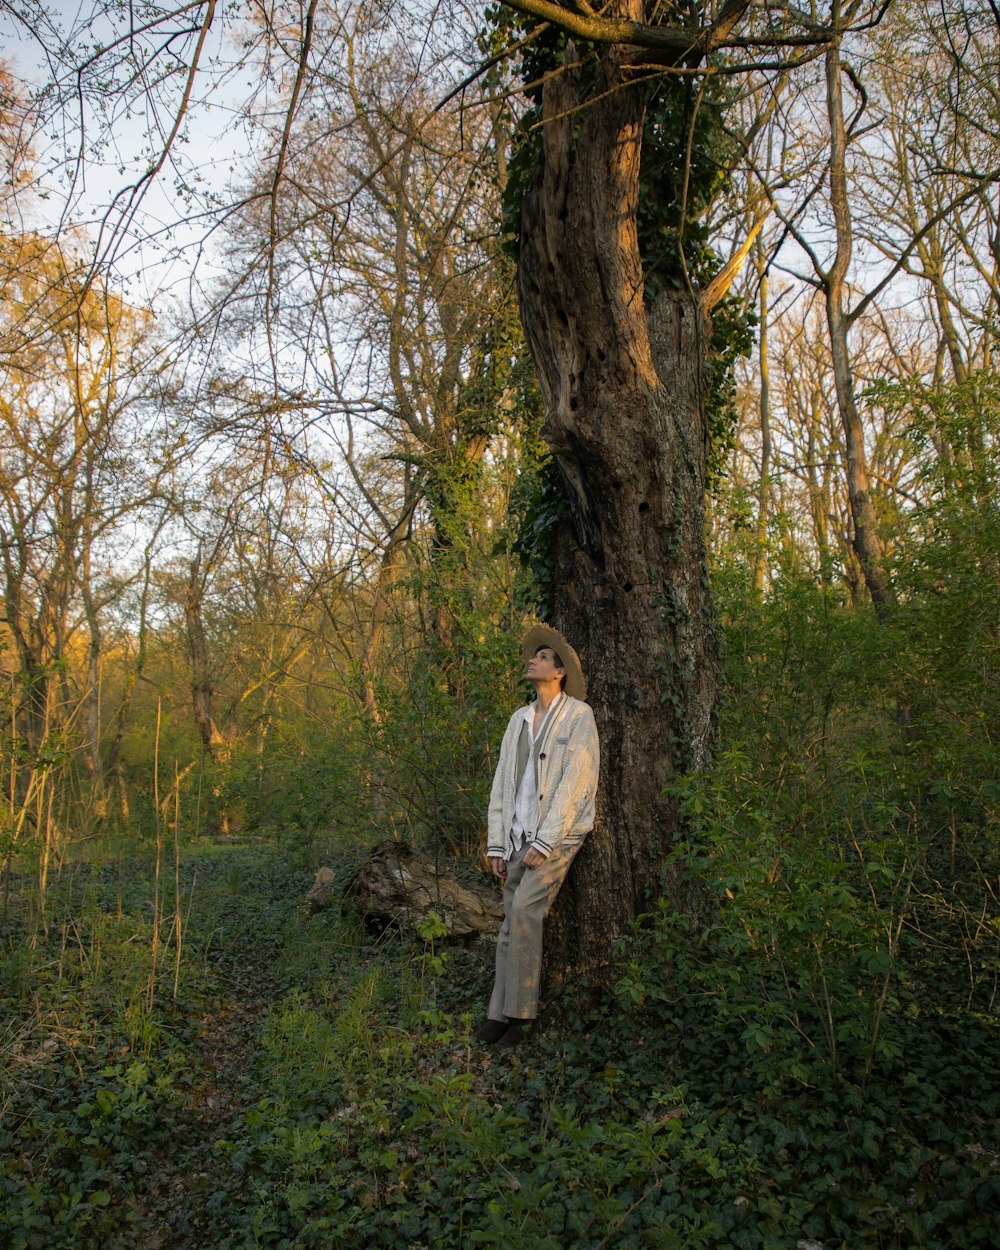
point(526, 803)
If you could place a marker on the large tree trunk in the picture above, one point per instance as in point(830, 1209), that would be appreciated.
point(622, 387)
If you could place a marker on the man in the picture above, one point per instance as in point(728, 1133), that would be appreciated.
point(541, 809)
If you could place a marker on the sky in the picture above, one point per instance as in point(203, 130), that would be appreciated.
point(101, 130)
point(108, 106)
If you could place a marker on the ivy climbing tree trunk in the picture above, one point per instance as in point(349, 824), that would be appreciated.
point(625, 418)
point(624, 385)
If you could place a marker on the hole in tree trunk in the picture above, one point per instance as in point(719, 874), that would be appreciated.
point(644, 507)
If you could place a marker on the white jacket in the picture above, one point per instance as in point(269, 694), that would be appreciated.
point(566, 758)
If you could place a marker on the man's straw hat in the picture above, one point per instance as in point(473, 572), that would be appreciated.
point(545, 636)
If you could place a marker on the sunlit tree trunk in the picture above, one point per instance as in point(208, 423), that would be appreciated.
point(866, 540)
point(764, 410)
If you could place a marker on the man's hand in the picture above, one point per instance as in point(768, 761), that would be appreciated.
point(499, 866)
point(533, 858)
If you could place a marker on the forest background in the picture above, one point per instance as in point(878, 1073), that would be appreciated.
point(275, 505)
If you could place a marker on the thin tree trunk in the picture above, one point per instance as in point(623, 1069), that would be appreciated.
point(201, 681)
point(385, 578)
point(763, 495)
point(866, 541)
point(94, 652)
point(112, 760)
point(818, 491)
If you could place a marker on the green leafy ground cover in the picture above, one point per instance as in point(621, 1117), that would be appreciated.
point(800, 1050)
point(314, 1086)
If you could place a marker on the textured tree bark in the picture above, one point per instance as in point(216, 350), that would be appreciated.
point(622, 386)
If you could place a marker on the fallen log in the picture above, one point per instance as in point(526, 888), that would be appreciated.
point(399, 885)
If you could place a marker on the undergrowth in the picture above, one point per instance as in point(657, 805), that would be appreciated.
point(313, 1086)
point(799, 1052)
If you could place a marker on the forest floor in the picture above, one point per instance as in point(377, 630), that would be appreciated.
point(312, 1085)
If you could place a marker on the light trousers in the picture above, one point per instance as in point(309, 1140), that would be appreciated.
point(528, 895)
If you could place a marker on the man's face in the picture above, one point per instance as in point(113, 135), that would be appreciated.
point(542, 666)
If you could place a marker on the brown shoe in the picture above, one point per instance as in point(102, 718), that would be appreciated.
point(491, 1032)
point(517, 1031)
